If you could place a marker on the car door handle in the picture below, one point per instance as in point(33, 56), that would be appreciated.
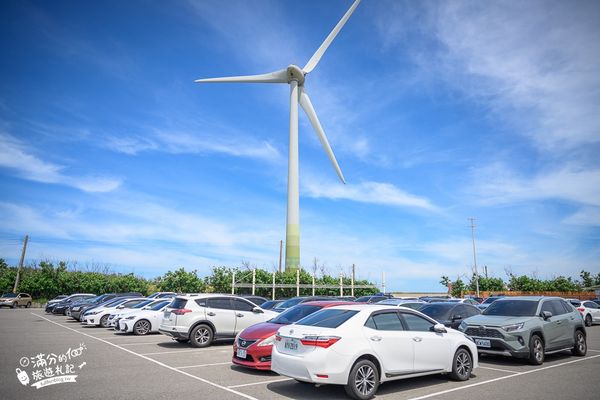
point(239, 315)
point(375, 338)
point(211, 314)
point(417, 339)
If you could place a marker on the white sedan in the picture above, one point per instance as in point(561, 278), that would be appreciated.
point(361, 346)
point(144, 321)
point(99, 316)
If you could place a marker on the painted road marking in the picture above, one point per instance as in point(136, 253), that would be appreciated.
point(203, 365)
point(501, 370)
point(153, 361)
point(502, 378)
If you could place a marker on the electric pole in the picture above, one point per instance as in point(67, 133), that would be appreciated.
point(474, 254)
point(21, 263)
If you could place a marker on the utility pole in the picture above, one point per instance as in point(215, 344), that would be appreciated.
point(280, 253)
point(474, 254)
point(21, 263)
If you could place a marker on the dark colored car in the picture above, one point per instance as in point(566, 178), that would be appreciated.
point(486, 303)
point(103, 300)
point(258, 300)
point(450, 314)
point(271, 304)
point(62, 306)
point(298, 300)
point(371, 299)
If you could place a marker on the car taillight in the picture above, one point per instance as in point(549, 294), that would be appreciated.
point(319, 341)
point(581, 309)
point(181, 311)
point(278, 338)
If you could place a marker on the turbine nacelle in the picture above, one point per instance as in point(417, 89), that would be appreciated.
point(295, 73)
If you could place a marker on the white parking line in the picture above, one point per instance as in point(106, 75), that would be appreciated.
point(502, 378)
point(260, 383)
point(136, 344)
point(151, 360)
point(203, 365)
point(183, 351)
point(501, 370)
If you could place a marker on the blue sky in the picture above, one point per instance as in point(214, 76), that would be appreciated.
point(437, 112)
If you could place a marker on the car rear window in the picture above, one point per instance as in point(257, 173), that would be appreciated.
point(294, 314)
point(178, 303)
point(328, 318)
point(512, 308)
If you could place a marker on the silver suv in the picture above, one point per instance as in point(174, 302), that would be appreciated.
point(203, 318)
point(527, 327)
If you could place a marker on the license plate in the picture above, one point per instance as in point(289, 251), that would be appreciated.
point(241, 353)
point(483, 343)
point(290, 344)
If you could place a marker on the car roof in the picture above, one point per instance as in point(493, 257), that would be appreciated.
point(204, 295)
point(327, 303)
point(530, 298)
point(363, 306)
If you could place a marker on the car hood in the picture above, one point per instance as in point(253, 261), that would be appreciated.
point(495, 320)
point(7, 298)
point(260, 331)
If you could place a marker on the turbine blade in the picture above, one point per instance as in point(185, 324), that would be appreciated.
point(314, 60)
point(271, 77)
point(314, 120)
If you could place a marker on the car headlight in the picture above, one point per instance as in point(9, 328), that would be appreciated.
point(514, 327)
point(463, 326)
point(132, 317)
point(267, 342)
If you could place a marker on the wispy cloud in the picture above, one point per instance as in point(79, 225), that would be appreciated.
point(16, 157)
point(366, 192)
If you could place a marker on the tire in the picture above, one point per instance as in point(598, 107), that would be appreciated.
point(201, 336)
point(142, 327)
point(363, 380)
point(588, 320)
point(104, 321)
point(536, 350)
point(580, 348)
point(182, 340)
point(462, 365)
point(13, 305)
point(28, 305)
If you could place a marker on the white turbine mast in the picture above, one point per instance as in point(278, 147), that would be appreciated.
point(295, 77)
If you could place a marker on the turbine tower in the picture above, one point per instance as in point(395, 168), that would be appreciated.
point(295, 77)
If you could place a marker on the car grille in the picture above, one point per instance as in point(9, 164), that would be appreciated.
point(484, 332)
point(245, 343)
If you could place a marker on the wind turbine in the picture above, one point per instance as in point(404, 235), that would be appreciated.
point(295, 77)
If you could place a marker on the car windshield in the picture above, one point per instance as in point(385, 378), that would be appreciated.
point(328, 318)
point(116, 302)
point(414, 306)
point(438, 311)
point(267, 305)
point(454, 300)
point(512, 308)
point(576, 303)
point(9, 295)
point(290, 303)
point(294, 314)
point(159, 305)
point(363, 299)
point(143, 303)
point(391, 302)
point(490, 300)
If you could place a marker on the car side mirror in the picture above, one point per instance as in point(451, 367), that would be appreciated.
point(439, 328)
point(457, 316)
point(257, 310)
point(546, 315)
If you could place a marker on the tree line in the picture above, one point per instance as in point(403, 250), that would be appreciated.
point(522, 283)
point(47, 279)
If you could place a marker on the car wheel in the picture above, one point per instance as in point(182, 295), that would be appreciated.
point(182, 340)
point(28, 305)
point(536, 350)
point(13, 305)
point(104, 321)
point(201, 336)
point(142, 327)
point(462, 365)
point(588, 320)
point(363, 380)
point(580, 348)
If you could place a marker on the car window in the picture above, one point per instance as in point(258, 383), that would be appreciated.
point(219, 302)
point(567, 306)
point(553, 306)
point(242, 305)
point(460, 310)
point(590, 304)
point(327, 318)
point(178, 303)
point(472, 311)
point(388, 321)
point(416, 323)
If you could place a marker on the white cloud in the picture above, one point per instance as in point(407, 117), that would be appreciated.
point(365, 192)
point(589, 216)
point(15, 156)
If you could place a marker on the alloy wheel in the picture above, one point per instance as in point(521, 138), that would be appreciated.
point(581, 345)
point(365, 380)
point(538, 350)
point(142, 327)
point(202, 336)
point(463, 364)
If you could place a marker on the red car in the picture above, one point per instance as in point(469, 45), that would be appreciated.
point(252, 346)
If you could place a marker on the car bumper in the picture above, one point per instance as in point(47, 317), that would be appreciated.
point(257, 357)
point(125, 326)
point(334, 365)
point(173, 332)
point(92, 320)
point(514, 344)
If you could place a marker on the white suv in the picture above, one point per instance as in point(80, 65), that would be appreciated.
point(202, 318)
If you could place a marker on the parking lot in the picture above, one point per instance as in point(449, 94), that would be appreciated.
point(155, 367)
